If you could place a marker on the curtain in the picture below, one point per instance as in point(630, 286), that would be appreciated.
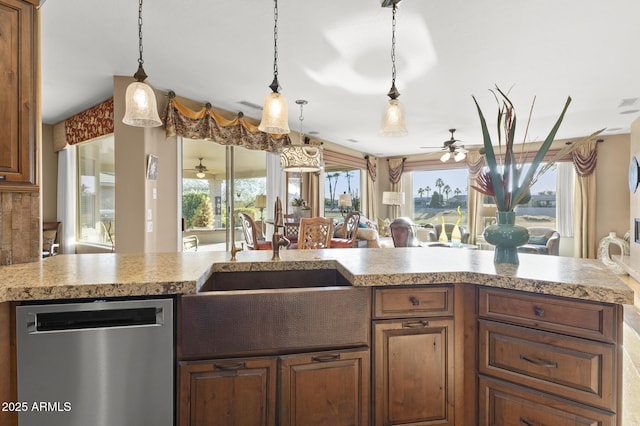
point(92, 123)
point(67, 199)
point(311, 191)
point(372, 174)
point(584, 227)
point(208, 125)
point(565, 183)
point(275, 188)
point(475, 162)
point(396, 167)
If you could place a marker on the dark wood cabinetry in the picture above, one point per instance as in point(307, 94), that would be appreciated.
point(414, 356)
point(229, 392)
point(563, 354)
point(328, 388)
point(18, 109)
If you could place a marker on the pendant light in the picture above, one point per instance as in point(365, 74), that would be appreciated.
point(301, 158)
point(141, 109)
point(393, 123)
point(275, 116)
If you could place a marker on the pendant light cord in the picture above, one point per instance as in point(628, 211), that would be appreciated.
point(393, 46)
point(275, 84)
point(140, 61)
point(301, 120)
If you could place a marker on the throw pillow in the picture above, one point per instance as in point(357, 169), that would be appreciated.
point(538, 240)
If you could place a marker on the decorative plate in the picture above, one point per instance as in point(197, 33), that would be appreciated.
point(634, 174)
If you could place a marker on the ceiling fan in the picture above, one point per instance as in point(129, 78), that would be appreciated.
point(451, 149)
point(200, 169)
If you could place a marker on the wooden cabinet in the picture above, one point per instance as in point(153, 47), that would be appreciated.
point(414, 356)
point(322, 388)
point(227, 392)
point(18, 109)
point(563, 354)
point(327, 388)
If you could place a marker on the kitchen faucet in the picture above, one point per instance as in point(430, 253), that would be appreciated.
point(278, 239)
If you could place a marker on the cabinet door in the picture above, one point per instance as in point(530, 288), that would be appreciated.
point(505, 404)
point(326, 388)
point(17, 97)
point(228, 392)
point(414, 372)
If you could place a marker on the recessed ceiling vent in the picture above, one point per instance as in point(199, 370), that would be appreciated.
point(625, 103)
point(251, 105)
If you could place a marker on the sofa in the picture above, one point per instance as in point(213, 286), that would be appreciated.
point(542, 240)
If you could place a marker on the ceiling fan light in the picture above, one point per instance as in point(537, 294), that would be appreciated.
point(141, 109)
point(445, 157)
point(275, 115)
point(459, 156)
point(200, 175)
point(393, 123)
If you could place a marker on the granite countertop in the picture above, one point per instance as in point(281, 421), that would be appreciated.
point(114, 275)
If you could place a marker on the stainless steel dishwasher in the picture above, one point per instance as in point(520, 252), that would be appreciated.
point(96, 363)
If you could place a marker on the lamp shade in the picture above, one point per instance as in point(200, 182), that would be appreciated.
point(393, 123)
point(141, 109)
point(301, 158)
point(393, 198)
point(200, 175)
point(459, 156)
point(445, 157)
point(345, 200)
point(261, 201)
point(275, 115)
point(489, 210)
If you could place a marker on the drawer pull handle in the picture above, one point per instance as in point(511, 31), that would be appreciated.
point(229, 367)
point(326, 358)
point(540, 362)
point(526, 422)
point(415, 324)
point(414, 301)
point(539, 312)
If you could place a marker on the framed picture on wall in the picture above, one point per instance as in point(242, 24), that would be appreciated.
point(636, 230)
point(152, 167)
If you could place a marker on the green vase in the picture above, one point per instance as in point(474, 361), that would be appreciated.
point(506, 236)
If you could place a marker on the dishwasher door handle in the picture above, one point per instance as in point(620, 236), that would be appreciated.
point(43, 322)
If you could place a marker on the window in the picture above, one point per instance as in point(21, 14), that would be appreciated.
point(96, 192)
point(540, 210)
point(337, 181)
point(439, 193)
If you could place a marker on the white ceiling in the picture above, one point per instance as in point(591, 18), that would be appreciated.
point(336, 55)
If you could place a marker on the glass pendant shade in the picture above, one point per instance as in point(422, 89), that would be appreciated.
point(459, 156)
point(275, 115)
point(445, 157)
point(301, 158)
point(393, 123)
point(200, 175)
point(141, 109)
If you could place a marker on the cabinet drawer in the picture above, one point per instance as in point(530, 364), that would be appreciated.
point(573, 317)
point(578, 369)
point(413, 302)
point(510, 405)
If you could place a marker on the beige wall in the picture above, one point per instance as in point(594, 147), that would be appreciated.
point(146, 210)
point(49, 183)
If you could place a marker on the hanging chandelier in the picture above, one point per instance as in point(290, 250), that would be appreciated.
point(275, 116)
point(301, 158)
point(141, 109)
point(393, 123)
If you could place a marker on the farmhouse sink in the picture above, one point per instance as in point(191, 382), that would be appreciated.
point(259, 280)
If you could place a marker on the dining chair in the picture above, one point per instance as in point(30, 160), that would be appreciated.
point(251, 234)
point(349, 232)
point(403, 233)
point(290, 231)
point(315, 233)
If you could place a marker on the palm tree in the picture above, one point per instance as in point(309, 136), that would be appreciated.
point(421, 192)
point(446, 190)
point(348, 174)
point(457, 192)
point(332, 186)
point(427, 189)
point(439, 184)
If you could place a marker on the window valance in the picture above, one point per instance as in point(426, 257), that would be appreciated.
point(207, 124)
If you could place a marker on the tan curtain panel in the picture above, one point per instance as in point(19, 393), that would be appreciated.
point(208, 125)
point(475, 163)
point(92, 123)
point(340, 159)
point(396, 167)
point(584, 222)
point(370, 209)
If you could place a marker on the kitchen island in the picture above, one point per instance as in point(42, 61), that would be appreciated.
point(494, 329)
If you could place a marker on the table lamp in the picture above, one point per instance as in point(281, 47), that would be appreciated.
point(344, 202)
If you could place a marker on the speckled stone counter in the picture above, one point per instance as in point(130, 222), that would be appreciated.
point(106, 275)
